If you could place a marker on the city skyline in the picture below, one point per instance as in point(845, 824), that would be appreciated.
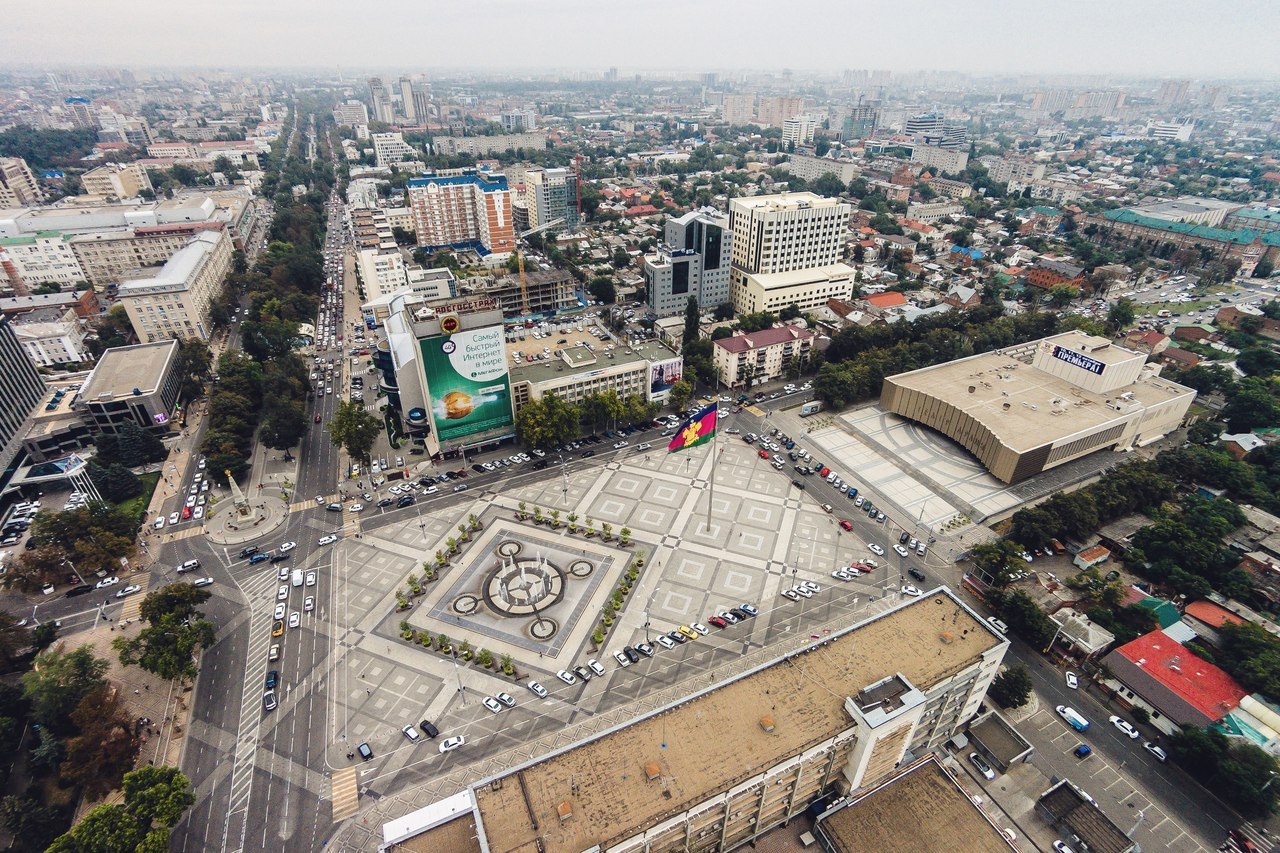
point(1129, 37)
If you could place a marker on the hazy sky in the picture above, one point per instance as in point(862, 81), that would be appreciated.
point(1209, 38)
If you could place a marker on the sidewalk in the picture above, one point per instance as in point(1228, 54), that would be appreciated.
point(161, 709)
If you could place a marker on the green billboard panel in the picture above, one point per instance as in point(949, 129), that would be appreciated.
point(468, 382)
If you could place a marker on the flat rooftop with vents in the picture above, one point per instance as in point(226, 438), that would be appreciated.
point(923, 808)
point(615, 786)
point(1028, 408)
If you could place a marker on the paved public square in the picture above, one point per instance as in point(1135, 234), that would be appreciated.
point(762, 536)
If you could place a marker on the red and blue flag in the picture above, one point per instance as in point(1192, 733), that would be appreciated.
point(698, 429)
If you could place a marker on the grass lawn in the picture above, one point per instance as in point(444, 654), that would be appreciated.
point(136, 505)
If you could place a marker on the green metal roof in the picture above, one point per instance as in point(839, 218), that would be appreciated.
point(1242, 236)
point(1259, 214)
point(1166, 613)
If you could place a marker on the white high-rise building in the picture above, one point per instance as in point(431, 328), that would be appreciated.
point(18, 187)
point(407, 107)
point(798, 130)
point(787, 250)
point(551, 194)
point(381, 99)
point(391, 148)
point(352, 113)
point(693, 261)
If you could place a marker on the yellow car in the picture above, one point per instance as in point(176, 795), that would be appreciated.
point(688, 632)
point(277, 628)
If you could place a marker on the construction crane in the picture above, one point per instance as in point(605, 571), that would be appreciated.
point(524, 288)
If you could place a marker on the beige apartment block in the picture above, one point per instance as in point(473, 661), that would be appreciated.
point(176, 301)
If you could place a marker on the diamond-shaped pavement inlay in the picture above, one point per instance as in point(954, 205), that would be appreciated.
point(663, 494)
point(629, 486)
point(775, 567)
point(698, 483)
point(735, 581)
point(671, 541)
point(791, 503)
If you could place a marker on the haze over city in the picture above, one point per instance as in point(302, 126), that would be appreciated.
point(1213, 39)
point(501, 427)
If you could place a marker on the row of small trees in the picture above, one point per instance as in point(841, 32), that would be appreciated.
point(611, 608)
point(444, 645)
point(552, 520)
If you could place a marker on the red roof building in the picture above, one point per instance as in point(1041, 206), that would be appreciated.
point(1173, 684)
point(881, 301)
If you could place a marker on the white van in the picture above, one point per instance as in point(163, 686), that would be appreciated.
point(188, 566)
point(296, 578)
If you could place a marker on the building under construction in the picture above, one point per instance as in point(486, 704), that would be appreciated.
point(547, 292)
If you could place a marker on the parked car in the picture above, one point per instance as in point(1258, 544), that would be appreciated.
point(983, 767)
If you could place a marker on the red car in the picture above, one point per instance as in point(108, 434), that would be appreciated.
point(764, 454)
point(186, 512)
point(824, 472)
point(317, 419)
point(717, 621)
point(846, 524)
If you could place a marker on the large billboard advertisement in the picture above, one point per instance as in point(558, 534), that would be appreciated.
point(664, 374)
point(468, 383)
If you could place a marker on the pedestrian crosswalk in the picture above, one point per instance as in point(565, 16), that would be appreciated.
point(345, 793)
point(132, 608)
point(1246, 839)
point(187, 533)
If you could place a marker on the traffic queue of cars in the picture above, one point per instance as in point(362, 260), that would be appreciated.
point(305, 583)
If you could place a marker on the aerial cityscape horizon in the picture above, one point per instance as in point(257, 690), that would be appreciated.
point(1211, 40)
point(568, 428)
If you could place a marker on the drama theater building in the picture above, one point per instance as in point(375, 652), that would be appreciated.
point(1029, 408)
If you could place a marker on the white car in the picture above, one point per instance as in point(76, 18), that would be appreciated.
point(328, 540)
point(159, 525)
point(202, 582)
point(287, 547)
point(173, 518)
point(1072, 681)
point(320, 500)
point(594, 666)
point(128, 590)
point(452, 743)
point(567, 677)
point(492, 704)
point(701, 629)
point(619, 445)
point(911, 591)
point(283, 574)
point(311, 578)
point(900, 551)
point(198, 512)
point(308, 604)
point(280, 611)
point(295, 619)
point(537, 689)
point(106, 582)
point(666, 642)
point(875, 549)
point(283, 592)
point(1125, 727)
point(356, 507)
point(622, 659)
point(412, 734)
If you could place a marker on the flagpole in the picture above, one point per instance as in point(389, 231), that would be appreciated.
point(715, 439)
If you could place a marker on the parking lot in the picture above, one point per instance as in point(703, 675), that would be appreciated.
point(1115, 794)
